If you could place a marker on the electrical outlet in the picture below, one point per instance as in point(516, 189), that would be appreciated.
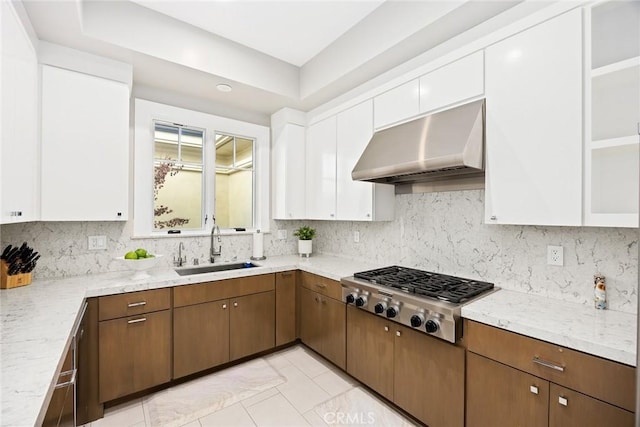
point(356, 237)
point(282, 234)
point(555, 255)
point(97, 243)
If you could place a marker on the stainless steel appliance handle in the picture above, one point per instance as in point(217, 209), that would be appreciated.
point(72, 381)
point(546, 364)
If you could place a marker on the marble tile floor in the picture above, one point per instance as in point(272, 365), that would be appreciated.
point(293, 387)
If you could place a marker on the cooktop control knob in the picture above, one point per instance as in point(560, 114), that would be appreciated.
point(432, 326)
point(393, 311)
point(351, 298)
point(416, 320)
point(360, 301)
point(380, 307)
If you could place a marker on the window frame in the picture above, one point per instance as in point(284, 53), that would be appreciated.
point(146, 113)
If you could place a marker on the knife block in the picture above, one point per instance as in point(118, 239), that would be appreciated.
point(8, 282)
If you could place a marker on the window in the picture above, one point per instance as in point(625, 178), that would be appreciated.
point(177, 177)
point(192, 166)
point(234, 181)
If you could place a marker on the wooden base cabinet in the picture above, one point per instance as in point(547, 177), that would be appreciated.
point(422, 375)
point(217, 322)
point(135, 354)
point(200, 337)
point(286, 284)
point(517, 380)
point(323, 318)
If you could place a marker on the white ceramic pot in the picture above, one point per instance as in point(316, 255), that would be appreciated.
point(305, 247)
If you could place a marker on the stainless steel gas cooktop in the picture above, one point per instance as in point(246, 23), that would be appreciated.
point(429, 302)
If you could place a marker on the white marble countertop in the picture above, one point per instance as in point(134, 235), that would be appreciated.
point(604, 333)
point(36, 323)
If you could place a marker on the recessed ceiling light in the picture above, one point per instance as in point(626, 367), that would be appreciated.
point(222, 87)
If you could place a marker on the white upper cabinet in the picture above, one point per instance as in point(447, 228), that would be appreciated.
point(288, 177)
point(321, 170)
point(452, 83)
point(534, 125)
point(397, 104)
point(20, 167)
point(357, 200)
point(613, 115)
point(85, 147)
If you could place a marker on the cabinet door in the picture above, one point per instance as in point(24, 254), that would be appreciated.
point(85, 147)
point(285, 307)
point(310, 325)
point(358, 200)
point(135, 354)
point(19, 168)
point(321, 170)
point(534, 125)
point(453, 83)
point(252, 324)
point(288, 177)
point(397, 105)
point(333, 327)
point(200, 337)
point(370, 350)
point(429, 378)
point(568, 408)
point(500, 395)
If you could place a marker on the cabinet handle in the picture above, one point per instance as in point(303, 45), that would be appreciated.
point(368, 215)
point(72, 381)
point(321, 285)
point(546, 364)
point(533, 389)
point(563, 401)
point(136, 304)
point(142, 319)
point(332, 215)
point(224, 306)
point(235, 304)
point(119, 214)
point(16, 213)
point(386, 329)
point(398, 333)
point(493, 217)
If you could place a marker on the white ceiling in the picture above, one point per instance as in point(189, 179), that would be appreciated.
point(293, 31)
point(274, 53)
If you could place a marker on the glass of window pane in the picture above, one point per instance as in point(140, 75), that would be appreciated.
point(244, 153)
point(178, 178)
point(234, 198)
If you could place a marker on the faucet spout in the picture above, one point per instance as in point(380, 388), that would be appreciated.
point(215, 236)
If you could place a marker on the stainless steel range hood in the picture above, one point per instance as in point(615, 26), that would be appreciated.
point(442, 145)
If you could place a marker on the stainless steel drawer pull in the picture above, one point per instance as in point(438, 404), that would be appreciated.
point(142, 319)
point(72, 381)
point(398, 333)
point(563, 401)
point(235, 304)
point(224, 306)
point(136, 304)
point(533, 389)
point(548, 364)
point(386, 329)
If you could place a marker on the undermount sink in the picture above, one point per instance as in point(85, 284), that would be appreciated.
point(187, 271)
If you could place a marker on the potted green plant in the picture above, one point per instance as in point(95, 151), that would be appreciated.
point(305, 236)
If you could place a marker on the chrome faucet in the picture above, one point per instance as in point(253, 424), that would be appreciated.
point(180, 261)
point(215, 233)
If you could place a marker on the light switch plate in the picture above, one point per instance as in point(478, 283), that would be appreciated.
point(97, 243)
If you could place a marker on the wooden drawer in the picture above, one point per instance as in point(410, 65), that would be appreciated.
point(222, 289)
point(600, 378)
point(322, 285)
point(132, 303)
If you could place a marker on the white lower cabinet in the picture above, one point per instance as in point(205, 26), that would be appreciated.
point(358, 200)
point(534, 125)
point(85, 147)
point(19, 145)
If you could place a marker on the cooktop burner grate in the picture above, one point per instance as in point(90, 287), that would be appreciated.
point(426, 284)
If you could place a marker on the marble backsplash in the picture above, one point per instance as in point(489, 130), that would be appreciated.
point(442, 232)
